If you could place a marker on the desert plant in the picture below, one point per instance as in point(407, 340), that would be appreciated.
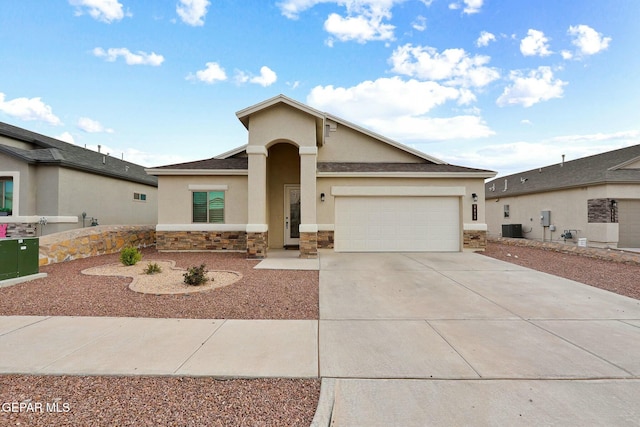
point(130, 255)
point(196, 275)
point(153, 268)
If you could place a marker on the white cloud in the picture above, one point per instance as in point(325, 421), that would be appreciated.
point(539, 85)
point(397, 108)
point(420, 24)
point(101, 10)
point(358, 28)
point(211, 74)
point(192, 12)
point(526, 122)
point(92, 126)
point(266, 78)
point(453, 66)
point(29, 109)
point(587, 40)
point(139, 58)
point(485, 38)
point(66, 137)
point(470, 6)
point(363, 20)
point(535, 44)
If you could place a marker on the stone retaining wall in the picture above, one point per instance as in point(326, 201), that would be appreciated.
point(92, 241)
point(615, 255)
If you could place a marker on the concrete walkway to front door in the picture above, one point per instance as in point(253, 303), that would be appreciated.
point(463, 339)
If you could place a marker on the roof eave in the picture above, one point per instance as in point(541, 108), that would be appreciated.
point(169, 172)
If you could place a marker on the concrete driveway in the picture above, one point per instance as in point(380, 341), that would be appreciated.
point(463, 339)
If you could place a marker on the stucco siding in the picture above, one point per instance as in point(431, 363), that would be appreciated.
point(348, 145)
point(282, 123)
point(175, 199)
point(108, 199)
point(569, 211)
point(326, 209)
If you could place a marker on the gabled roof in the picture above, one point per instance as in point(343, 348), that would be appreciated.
point(605, 168)
point(51, 151)
point(320, 117)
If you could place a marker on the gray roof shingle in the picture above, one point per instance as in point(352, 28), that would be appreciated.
point(52, 151)
point(359, 167)
point(596, 169)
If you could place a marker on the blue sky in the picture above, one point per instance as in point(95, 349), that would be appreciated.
point(497, 84)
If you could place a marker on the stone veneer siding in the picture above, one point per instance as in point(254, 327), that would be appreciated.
point(308, 245)
point(257, 245)
point(325, 239)
point(201, 241)
point(474, 240)
point(92, 241)
point(615, 255)
point(21, 229)
point(600, 211)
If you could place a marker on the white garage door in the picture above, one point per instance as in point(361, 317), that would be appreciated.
point(397, 224)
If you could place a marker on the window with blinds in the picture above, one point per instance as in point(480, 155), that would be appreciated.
point(208, 206)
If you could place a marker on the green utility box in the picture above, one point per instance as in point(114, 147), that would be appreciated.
point(19, 257)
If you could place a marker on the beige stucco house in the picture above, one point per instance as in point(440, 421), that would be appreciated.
point(308, 180)
point(47, 184)
point(596, 198)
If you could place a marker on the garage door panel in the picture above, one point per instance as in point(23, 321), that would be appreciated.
point(404, 224)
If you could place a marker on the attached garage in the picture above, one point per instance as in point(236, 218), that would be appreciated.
point(385, 222)
point(629, 223)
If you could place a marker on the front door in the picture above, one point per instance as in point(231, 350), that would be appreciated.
point(291, 215)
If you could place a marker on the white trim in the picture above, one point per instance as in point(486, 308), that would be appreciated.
point(231, 153)
point(305, 151)
point(474, 227)
point(201, 227)
point(397, 191)
point(34, 219)
point(208, 187)
point(257, 149)
point(326, 227)
point(158, 172)
point(308, 228)
point(406, 174)
point(257, 228)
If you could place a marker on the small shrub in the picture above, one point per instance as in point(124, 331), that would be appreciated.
point(153, 268)
point(130, 255)
point(196, 275)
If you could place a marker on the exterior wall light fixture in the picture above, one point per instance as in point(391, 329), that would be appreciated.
point(322, 197)
point(474, 196)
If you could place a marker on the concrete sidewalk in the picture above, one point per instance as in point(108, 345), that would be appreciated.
point(142, 346)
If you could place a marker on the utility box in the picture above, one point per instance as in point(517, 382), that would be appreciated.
point(19, 257)
point(545, 218)
point(8, 259)
point(512, 230)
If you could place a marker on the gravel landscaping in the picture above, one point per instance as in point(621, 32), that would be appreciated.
point(623, 279)
point(158, 401)
point(259, 294)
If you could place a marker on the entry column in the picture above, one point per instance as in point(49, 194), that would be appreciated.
point(257, 228)
point(308, 221)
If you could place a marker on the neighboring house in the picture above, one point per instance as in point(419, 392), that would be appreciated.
point(309, 180)
point(48, 184)
point(595, 197)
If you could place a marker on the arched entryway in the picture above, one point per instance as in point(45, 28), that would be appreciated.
point(283, 195)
